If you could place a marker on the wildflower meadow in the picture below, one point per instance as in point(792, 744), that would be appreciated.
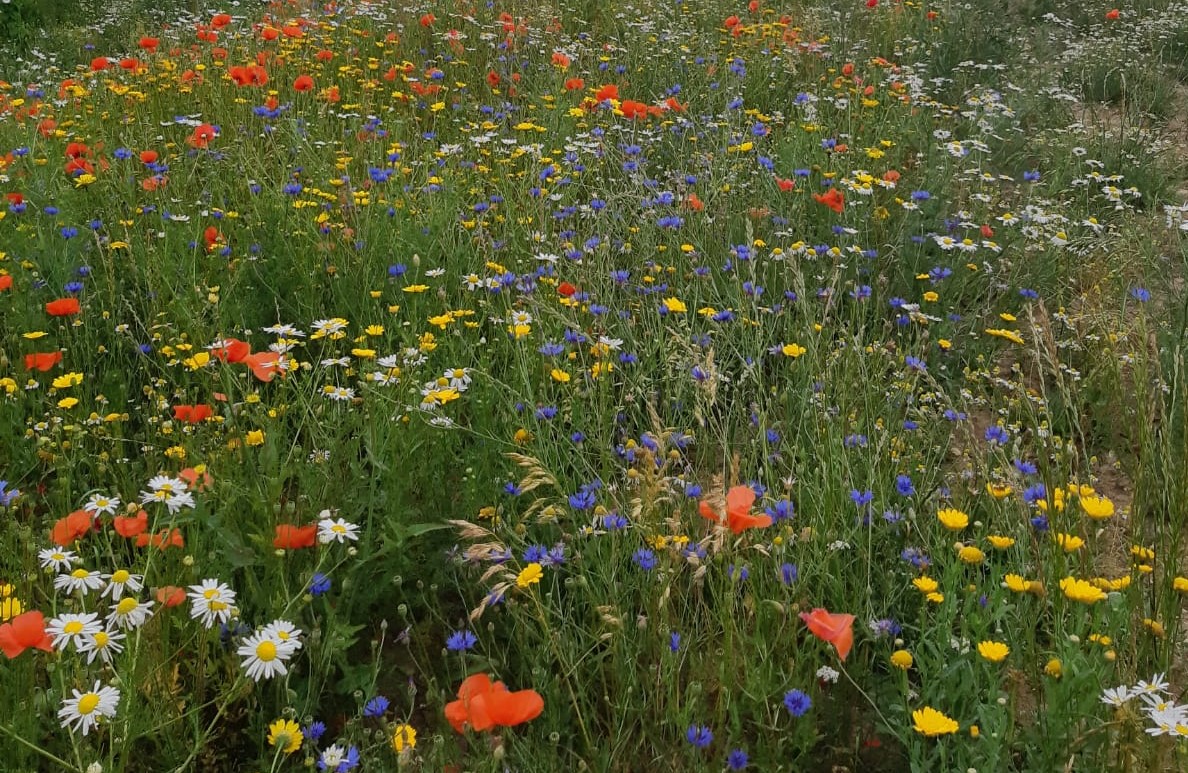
point(578, 386)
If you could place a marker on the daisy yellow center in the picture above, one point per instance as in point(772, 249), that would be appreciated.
point(338, 528)
point(101, 639)
point(58, 557)
point(217, 606)
point(282, 635)
point(73, 627)
point(266, 651)
point(88, 703)
point(125, 606)
point(79, 574)
point(121, 576)
point(211, 593)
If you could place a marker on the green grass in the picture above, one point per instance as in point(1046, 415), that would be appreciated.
point(528, 343)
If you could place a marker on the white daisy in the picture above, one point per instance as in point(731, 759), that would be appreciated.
point(57, 559)
point(85, 710)
point(180, 500)
point(130, 613)
point(211, 602)
point(100, 504)
point(80, 581)
point(459, 378)
point(68, 628)
point(121, 580)
point(264, 656)
point(285, 633)
point(102, 644)
point(336, 530)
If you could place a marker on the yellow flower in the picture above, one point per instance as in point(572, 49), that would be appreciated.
point(901, 659)
point(560, 376)
point(529, 575)
point(67, 380)
point(1017, 583)
point(10, 607)
point(998, 490)
point(953, 519)
point(1180, 584)
point(1001, 543)
point(1154, 626)
point(793, 350)
point(930, 722)
point(936, 598)
point(416, 288)
point(1009, 335)
point(66, 403)
point(925, 584)
point(403, 737)
point(1070, 542)
point(1097, 507)
point(1054, 668)
point(286, 734)
point(931, 297)
point(255, 438)
point(364, 354)
point(971, 555)
point(994, 651)
point(1081, 590)
point(675, 305)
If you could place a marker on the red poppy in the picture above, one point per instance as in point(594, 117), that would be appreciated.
point(71, 528)
point(211, 236)
point(130, 63)
point(427, 20)
point(148, 156)
point(561, 60)
point(25, 631)
point(264, 365)
point(303, 83)
point(252, 75)
point(492, 78)
point(100, 63)
point(483, 705)
point(291, 31)
point(171, 596)
point(785, 185)
point(574, 84)
point(290, 537)
point(566, 289)
point(833, 199)
point(270, 33)
point(42, 361)
point(1113, 14)
point(202, 135)
point(609, 91)
point(63, 307)
point(633, 110)
point(695, 202)
point(192, 414)
point(77, 166)
point(149, 44)
point(15, 197)
point(220, 20)
point(835, 629)
point(891, 176)
point(5, 282)
point(129, 526)
point(197, 481)
point(231, 350)
point(732, 22)
point(325, 55)
point(738, 511)
point(166, 538)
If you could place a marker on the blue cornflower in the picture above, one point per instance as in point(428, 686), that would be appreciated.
point(7, 495)
point(582, 500)
point(781, 510)
point(997, 434)
point(861, 498)
point(674, 641)
point(1033, 494)
point(397, 270)
point(797, 703)
point(885, 627)
point(1140, 294)
point(1025, 468)
point(644, 559)
point(313, 731)
point(789, 573)
point(737, 760)
point(903, 484)
point(319, 584)
point(614, 522)
point(916, 558)
point(375, 707)
point(460, 641)
point(700, 736)
point(534, 553)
